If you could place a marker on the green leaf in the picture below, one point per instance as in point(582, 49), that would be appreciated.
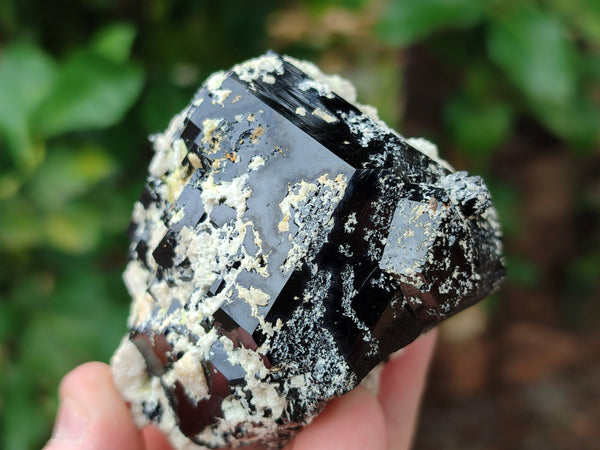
point(590, 66)
point(114, 42)
point(90, 92)
point(9, 185)
point(406, 21)
point(481, 80)
point(8, 322)
point(478, 129)
point(536, 53)
point(29, 293)
point(68, 173)
point(577, 121)
point(80, 321)
point(522, 272)
point(534, 50)
point(26, 75)
point(320, 6)
point(23, 422)
point(54, 343)
point(73, 230)
point(20, 227)
point(85, 323)
point(584, 15)
point(158, 103)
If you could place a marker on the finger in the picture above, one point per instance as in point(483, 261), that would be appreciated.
point(154, 439)
point(248, 447)
point(401, 387)
point(353, 421)
point(92, 414)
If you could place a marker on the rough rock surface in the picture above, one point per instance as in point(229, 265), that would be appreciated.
point(286, 242)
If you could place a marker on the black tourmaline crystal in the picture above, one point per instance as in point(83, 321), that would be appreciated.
point(285, 244)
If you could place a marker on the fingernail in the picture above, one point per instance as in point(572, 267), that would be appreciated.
point(71, 423)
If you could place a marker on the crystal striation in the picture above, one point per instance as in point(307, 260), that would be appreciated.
point(285, 244)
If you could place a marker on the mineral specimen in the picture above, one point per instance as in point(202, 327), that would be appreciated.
point(286, 242)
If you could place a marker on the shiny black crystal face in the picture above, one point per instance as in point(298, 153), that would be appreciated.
point(348, 245)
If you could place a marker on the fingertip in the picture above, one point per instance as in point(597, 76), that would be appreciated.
point(411, 363)
point(154, 439)
point(401, 387)
point(353, 421)
point(90, 375)
point(92, 414)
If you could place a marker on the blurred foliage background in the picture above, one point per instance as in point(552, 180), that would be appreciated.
point(509, 89)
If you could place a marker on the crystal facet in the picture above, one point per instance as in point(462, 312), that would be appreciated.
point(285, 244)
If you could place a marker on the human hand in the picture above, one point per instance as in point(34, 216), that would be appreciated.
point(93, 416)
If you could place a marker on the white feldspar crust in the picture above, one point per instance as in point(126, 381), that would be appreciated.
point(330, 191)
point(256, 162)
point(204, 245)
point(262, 67)
point(189, 371)
point(129, 371)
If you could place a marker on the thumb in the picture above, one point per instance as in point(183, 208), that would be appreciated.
point(92, 415)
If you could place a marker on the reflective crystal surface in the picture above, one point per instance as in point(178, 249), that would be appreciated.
point(285, 244)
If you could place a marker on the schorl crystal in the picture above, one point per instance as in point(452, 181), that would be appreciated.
point(286, 243)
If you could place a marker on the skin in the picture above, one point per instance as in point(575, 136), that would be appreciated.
point(93, 416)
